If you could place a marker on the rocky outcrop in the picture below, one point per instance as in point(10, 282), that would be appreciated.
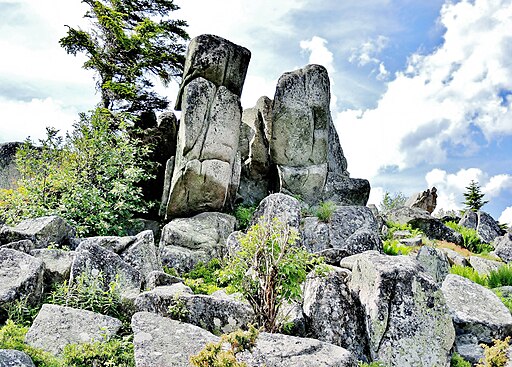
point(57, 326)
point(9, 174)
point(406, 318)
point(159, 278)
point(503, 247)
point(42, 231)
point(206, 169)
point(14, 358)
point(421, 219)
point(21, 277)
point(426, 200)
point(187, 241)
point(486, 227)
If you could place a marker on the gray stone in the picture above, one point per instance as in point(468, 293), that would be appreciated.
point(57, 264)
point(211, 313)
point(435, 262)
point(471, 352)
point(291, 319)
point(333, 315)
point(42, 231)
point(111, 243)
point(21, 277)
point(407, 321)
point(169, 168)
point(484, 266)
point(486, 227)
point(503, 247)
point(233, 243)
point(95, 260)
point(14, 358)
point(469, 219)
point(57, 326)
point(426, 200)
point(159, 278)
point(283, 207)
point(476, 311)
point(413, 241)
point(454, 257)
point(314, 235)
point(421, 219)
point(22, 245)
point(349, 261)
point(143, 254)
point(186, 241)
point(9, 174)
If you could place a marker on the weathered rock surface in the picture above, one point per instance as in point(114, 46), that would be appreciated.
point(42, 231)
point(486, 227)
point(115, 244)
point(96, 260)
point(484, 266)
point(503, 247)
point(333, 315)
point(22, 245)
point(14, 358)
point(215, 314)
point(476, 311)
point(421, 219)
point(426, 200)
point(187, 241)
point(435, 262)
point(407, 321)
point(159, 278)
point(57, 264)
point(285, 208)
point(314, 235)
point(454, 257)
point(57, 326)
point(206, 167)
point(21, 276)
point(143, 254)
point(9, 174)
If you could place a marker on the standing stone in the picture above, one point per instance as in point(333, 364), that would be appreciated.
point(205, 166)
point(143, 254)
point(426, 200)
point(285, 208)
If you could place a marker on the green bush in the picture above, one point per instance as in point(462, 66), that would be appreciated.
point(469, 273)
point(325, 210)
point(20, 312)
point(458, 361)
point(500, 277)
point(243, 215)
point(90, 178)
point(507, 300)
point(203, 278)
point(269, 269)
point(471, 241)
point(495, 355)
point(394, 227)
point(392, 201)
point(371, 364)
point(394, 247)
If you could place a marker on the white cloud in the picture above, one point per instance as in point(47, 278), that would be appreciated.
point(451, 186)
point(506, 216)
point(441, 98)
point(368, 51)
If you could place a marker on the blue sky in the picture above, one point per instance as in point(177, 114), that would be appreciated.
point(421, 90)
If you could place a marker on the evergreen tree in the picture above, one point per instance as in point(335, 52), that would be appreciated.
point(473, 197)
point(130, 42)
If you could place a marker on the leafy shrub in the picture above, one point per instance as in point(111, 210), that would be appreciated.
point(21, 312)
point(394, 247)
point(394, 227)
point(325, 210)
point(110, 353)
point(243, 215)
point(458, 361)
point(90, 178)
point(469, 273)
point(178, 309)
point(269, 269)
point(507, 300)
point(495, 355)
point(216, 355)
point(203, 278)
point(371, 364)
point(500, 277)
point(392, 201)
point(471, 241)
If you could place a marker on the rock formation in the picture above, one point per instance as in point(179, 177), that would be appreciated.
point(426, 200)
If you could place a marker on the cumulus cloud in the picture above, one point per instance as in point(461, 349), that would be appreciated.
point(506, 216)
point(368, 52)
point(442, 99)
point(451, 186)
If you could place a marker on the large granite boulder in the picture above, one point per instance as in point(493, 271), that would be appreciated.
point(57, 326)
point(21, 277)
point(333, 315)
point(485, 225)
point(406, 318)
point(285, 208)
point(164, 342)
point(188, 241)
point(206, 170)
point(219, 315)
point(426, 200)
point(25, 246)
point(9, 174)
point(42, 231)
point(503, 247)
point(421, 219)
point(14, 358)
point(57, 264)
point(143, 254)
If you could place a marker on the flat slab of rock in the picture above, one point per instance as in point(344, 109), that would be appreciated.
point(14, 358)
point(21, 276)
point(57, 326)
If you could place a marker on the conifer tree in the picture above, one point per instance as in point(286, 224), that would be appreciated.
point(473, 197)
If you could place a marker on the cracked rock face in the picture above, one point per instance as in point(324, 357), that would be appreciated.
point(407, 321)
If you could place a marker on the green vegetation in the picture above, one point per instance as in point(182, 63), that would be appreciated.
point(394, 248)
point(500, 277)
point(470, 237)
point(178, 308)
point(394, 227)
point(469, 273)
point(269, 269)
point(507, 300)
point(215, 355)
point(129, 43)
point(458, 361)
point(243, 215)
point(90, 178)
point(20, 312)
point(495, 355)
point(111, 353)
point(392, 201)
point(371, 364)
point(325, 210)
point(473, 197)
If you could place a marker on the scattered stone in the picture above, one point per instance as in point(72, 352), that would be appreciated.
point(14, 358)
point(57, 264)
point(454, 257)
point(484, 266)
point(412, 242)
point(435, 262)
point(21, 277)
point(407, 321)
point(283, 207)
point(42, 231)
point(333, 315)
point(233, 243)
point(291, 319)
point(503, 247)
point(23, 246)
point(486, 227)
point(426, 200)
point(143, 254)
point(112, 243)
point(159, 278)
point(57, 326)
